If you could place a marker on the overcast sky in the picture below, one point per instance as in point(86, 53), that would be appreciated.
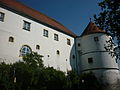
point(74, 14)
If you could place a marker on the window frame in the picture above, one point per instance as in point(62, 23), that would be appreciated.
point(58, 52)
point(96, 39)
point(90, 60)
point(2, 16)
point(56, 37)
point(26, 48)
point(45, 32)
point(68, 41)
point(38, 47)
point(26, 25)
point(11, 39)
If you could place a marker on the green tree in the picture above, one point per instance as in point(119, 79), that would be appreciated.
point(34, 60)
point(109, 18)
point(88, 81)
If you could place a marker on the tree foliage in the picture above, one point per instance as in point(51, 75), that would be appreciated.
point(31, 74)
point(109, 18)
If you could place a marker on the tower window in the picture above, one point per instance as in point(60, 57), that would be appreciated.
point(11, 39)
point(73, 56)
point(78, 44)
point(68, 42)
point(2, 15)
point(26, 25)
point(56, 37)
point(25, 50)
point(58, 52)
point(96, 39)
point(45, 33)
point(90, 60)
point(37, 47)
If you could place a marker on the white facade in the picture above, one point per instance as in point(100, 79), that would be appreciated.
point(13, 27)
point(63, 51)
point(92, 56)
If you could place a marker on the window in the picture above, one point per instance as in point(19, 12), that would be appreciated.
point(73, 56)
point(56, 37)
point(25, 50)
point(58, 52)
point(96, 39)
point(45, 33)
point(68, 42)
point(11, 39)
point(90, 60)
point(37, 47)
point(26, 25)
point(78, 44)
point(2, 15)
point(48, 55)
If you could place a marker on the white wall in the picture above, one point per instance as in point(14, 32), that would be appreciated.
point(104, 65)
point(13, 26)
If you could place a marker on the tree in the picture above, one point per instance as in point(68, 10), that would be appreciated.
point(109, 18)
point(34, 60)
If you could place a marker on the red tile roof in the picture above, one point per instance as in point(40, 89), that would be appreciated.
point(13, 4)
point(92, 28)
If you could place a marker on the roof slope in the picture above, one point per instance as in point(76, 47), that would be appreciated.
point(92, 28)
point(17, 6)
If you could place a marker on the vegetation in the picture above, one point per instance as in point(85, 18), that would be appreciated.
point(109, 18)
point(31, 74)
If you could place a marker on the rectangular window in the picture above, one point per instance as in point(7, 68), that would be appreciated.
point(26, 25)
point(45, 33)
point(2, 15)
point(96, 39)
point(68, 42)
point(90, 60)
point(56, 37)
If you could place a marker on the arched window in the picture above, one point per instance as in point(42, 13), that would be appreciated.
point(11, 39)
point(37, 47)
point(58, 52)
point(25, 50)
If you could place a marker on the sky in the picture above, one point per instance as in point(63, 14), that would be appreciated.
point(73, 14)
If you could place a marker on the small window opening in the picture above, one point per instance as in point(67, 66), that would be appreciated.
point(96, 39)
point(58, 52)
point(2, 15)
point(11, 39)
point(68, 42)
point(48, 55)
point(37, 47)
point(73, 56)
point(78, 44)
point(90, 60)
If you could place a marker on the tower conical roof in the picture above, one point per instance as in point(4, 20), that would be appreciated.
point(92, 28)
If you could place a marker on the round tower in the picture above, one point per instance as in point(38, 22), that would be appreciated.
point(95, 54)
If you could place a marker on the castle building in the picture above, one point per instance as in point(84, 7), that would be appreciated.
point(23, 30)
